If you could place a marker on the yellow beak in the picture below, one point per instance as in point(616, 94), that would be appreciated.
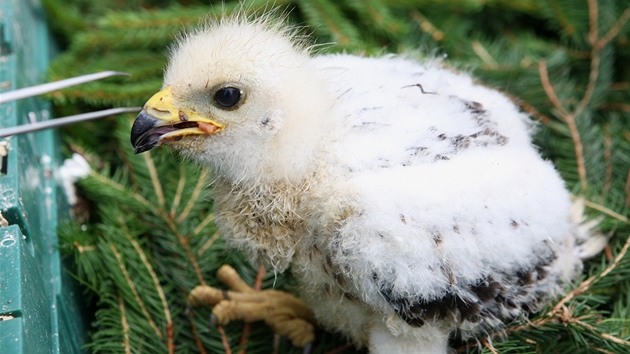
point(161, 121)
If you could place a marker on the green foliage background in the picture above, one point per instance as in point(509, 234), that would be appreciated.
point(143, 237)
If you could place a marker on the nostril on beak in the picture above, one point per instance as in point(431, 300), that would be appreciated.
point(159, 113)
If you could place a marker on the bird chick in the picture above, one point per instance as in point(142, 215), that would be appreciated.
point(408, 201)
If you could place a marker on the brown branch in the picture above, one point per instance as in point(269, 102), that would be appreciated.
point(244, 338)
point(603, 335)
point(534, 112)
point(203, 223)
point(195, 333)
point(132, 286)
point(83, 249)
point(560, 313)
point(605, 210)
point(120, 187)
point(427, 26)
point(156, 283)
point(208, 244)
point(549, 90)
point(624, 107)
point(224, 340)
point(601, 350)
point(201, 183)
point(183, 240)
point(247, 327)
point(482, 53)
point(579, 150)
point(259, 278)
point(569, 119)
point(125, 324)
point(586, 284)
point(615, 29)
point(593, 16)
point(180, 189)
point(608, 252)
point(608, 161)
point(157, 186)
point(592, 81)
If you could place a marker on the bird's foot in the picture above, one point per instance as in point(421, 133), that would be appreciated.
point(283, 312)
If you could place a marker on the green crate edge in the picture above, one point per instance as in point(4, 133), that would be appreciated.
point(40, 303)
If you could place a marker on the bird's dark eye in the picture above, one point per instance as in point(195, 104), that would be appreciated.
point(227, 97)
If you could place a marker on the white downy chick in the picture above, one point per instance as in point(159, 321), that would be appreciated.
point(408, 201)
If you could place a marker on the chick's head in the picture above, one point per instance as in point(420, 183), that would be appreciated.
point(240, 96)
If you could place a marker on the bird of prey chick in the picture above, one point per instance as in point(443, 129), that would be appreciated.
point(407, 200)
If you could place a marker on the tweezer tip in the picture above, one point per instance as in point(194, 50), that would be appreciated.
point(117, 73)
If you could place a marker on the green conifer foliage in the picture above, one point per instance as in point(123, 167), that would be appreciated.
point(148, 238)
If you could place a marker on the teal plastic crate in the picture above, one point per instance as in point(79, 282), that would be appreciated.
point(40, 305)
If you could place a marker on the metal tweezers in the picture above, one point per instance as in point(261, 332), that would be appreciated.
point(54, 86)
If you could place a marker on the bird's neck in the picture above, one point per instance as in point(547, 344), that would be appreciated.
point(263, 220)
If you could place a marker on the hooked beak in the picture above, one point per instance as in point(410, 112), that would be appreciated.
point(159, 121)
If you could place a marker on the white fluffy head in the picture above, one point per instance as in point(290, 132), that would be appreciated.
point(273, 131)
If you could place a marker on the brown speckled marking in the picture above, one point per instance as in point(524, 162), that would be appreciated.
point(183, 117)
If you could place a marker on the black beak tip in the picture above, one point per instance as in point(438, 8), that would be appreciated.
point(143, 148)
point(141, 138)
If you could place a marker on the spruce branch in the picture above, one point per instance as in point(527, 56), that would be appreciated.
point(608, 161)
point(224, 339)
point(202, 225)
point(548, 87)
point(570, 77)
point(157, 186)
point(606, 211)
point(124, 322)
point(195, 333)
point(184, 241)
point(247, 327)
point(209, 243)
point(614, 30)
point(603, 335)
point(593, 38)
point(479, 49)
point(123, 268)
point(427, 26)
point(586, 284)
point(121, 189)
point(597, 45)
point(156, 282)
point(561, 312)
point(194, 198)
point(180, 189)
point(569, 119)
